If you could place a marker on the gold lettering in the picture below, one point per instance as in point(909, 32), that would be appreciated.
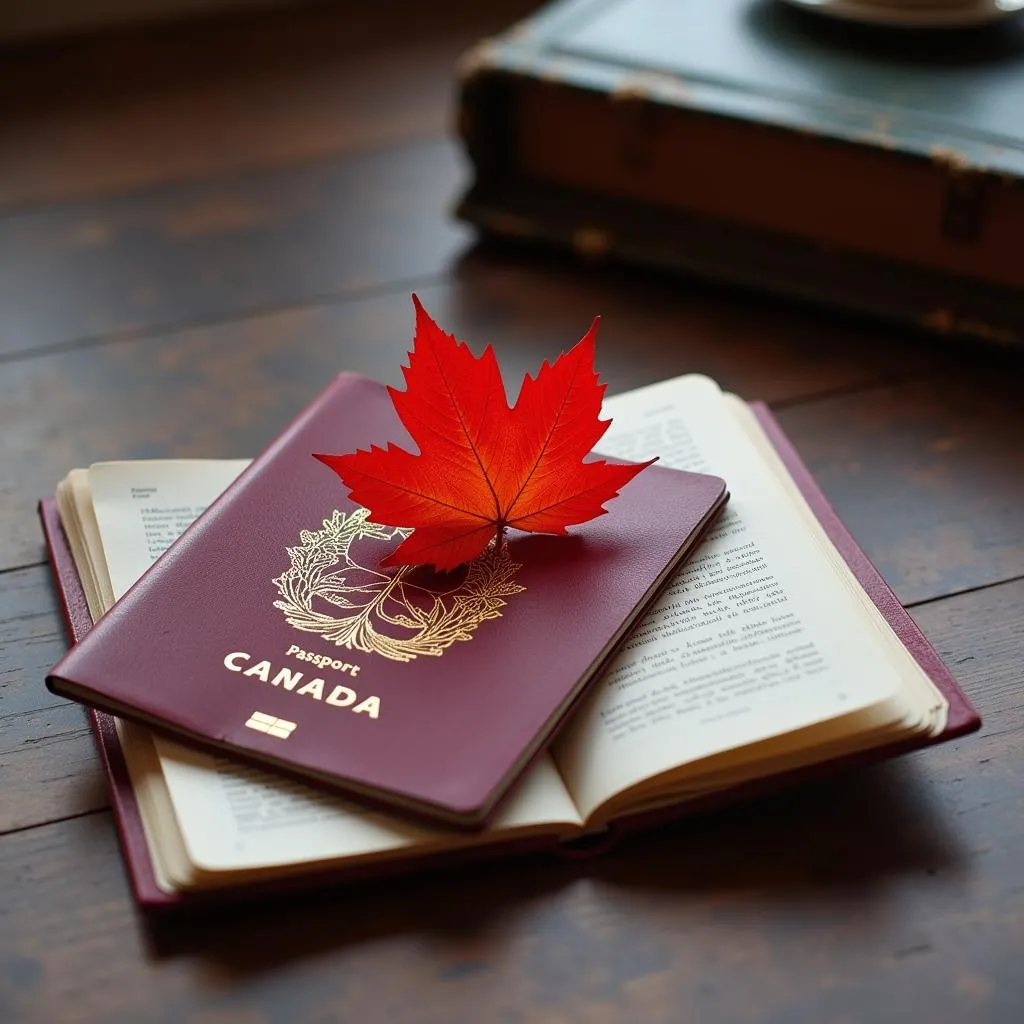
point(261, 670)
point(341, 697)
point(315, 688)
point(371, 706)
point(288, 678)
point(322, 660)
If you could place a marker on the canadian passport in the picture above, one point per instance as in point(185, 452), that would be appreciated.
point(271, 632)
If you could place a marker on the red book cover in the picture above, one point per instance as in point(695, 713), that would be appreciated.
point(269, 629)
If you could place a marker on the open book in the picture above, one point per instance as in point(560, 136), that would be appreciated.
point(765, 656)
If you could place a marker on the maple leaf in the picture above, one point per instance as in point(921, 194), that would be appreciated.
point(483, 466)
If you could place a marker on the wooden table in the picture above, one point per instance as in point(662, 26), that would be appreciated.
point(197, 229)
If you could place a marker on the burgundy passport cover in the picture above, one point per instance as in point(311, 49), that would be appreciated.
point(962, 716)
point(447, 685)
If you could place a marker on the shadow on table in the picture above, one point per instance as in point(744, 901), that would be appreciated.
point(819, 849)
point(829, 842)
point(532, 302)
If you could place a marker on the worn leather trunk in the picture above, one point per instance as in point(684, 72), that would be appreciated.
point(878, 169)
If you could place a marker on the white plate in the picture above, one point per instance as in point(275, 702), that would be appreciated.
point(974, 13)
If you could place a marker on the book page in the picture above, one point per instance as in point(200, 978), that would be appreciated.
point(233, 817)
point(933, 703)
point(756, 637)
point(143, 507)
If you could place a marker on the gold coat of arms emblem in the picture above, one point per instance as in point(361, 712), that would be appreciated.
point(333, 590)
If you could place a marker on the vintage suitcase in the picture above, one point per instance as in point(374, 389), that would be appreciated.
point(879, 169)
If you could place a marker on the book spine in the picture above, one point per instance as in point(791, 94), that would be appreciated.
point(124, 805)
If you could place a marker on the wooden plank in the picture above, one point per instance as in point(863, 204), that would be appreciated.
point(225, 390)
point(47, 758)
point(891, 893)
point(131, 109)
point(928, 475)
point(215, 249)
point(32, 638)
point(49, 764)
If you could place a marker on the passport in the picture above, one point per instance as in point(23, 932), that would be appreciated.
point(269, 631)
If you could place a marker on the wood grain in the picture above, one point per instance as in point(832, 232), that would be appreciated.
point(136, 108)
point(886, 894)
point(216, 249)
point(49, 765)
point(48, 762)
point(928, 475)
point(32, 636)
point(225, 390)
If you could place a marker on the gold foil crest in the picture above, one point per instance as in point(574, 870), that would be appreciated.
point(377, 612)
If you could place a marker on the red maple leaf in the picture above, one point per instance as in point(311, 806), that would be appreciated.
point(483, 466)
